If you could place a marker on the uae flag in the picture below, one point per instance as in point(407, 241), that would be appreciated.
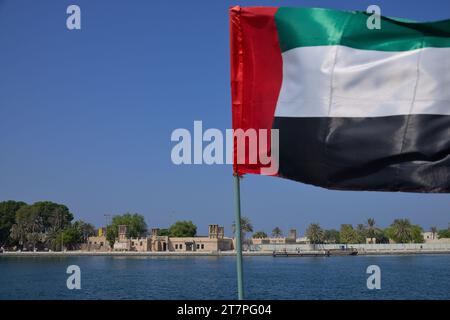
point(356, 109)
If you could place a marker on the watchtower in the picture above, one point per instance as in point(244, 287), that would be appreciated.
point(123, 230)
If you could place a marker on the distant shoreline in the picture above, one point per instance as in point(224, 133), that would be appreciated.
point(202, 254)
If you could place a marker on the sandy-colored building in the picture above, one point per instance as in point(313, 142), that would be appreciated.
point(215, 241)
point(122, 243)
point(140, 244)
point(157, 242)
point(97, 243)
point(430, 237)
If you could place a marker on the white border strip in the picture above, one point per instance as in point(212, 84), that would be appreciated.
point(364, 83)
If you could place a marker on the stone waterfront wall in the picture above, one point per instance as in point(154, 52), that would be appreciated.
point(413, 247)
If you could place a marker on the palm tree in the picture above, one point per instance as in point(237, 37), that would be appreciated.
point(85, 229)
point(18, 234)
point(434, 231)
point(402, 230)
point(28, 229)
point(276, 232)
point(35, 230)
point(331, 236)
point(246, 226)
point(259, 235)
point(371, 227)
point(362, 233)
point(315, 234)
point(361, 228)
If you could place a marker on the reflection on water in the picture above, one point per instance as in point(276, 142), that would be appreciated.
point(402, 277)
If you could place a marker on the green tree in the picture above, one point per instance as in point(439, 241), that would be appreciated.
point(8, 210)
point(416, 234)
point(183, 229)
point(18, 234)
point(400, 231)
point(371, 229)
point(112, 233)
point(40, 223)
point(29, 229)
point(246, 227)
point(55, 216)
point(381, 236)
point(362, 233)
point(74, 235)
point(69, 238)
point(348, 235)
point(444, 233)
point(259, 235)
point(315, 233)
point(85, 229)
point(331, 236)
point(277, 233)
point(163, 232)
point(136, 226)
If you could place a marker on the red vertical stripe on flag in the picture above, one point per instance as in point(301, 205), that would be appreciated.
point(256, 74)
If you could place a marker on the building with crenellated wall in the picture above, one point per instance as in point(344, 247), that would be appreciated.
point(215, 241)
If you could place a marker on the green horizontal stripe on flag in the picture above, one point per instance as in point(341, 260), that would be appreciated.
point(304, 27)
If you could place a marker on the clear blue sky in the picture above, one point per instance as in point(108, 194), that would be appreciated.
point(86, 116)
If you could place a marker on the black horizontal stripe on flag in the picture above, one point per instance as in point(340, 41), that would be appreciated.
point(393, 153)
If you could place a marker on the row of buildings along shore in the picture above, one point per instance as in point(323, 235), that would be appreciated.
point(214, 242)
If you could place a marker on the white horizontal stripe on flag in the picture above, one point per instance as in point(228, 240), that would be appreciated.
point(338, 81)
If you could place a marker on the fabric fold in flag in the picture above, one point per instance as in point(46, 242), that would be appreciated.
point(356, 109)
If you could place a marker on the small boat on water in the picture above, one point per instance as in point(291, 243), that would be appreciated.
point(342, 252)
point(326, 253)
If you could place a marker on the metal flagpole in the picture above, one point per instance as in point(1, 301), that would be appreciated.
point(237, 199)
